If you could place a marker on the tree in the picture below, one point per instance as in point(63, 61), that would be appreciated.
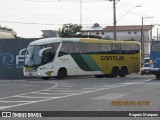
point(69, 29)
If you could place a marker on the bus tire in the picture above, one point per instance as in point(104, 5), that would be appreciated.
point(123, 72)
point(62, 73)
point(115, 71)
point(158, 76)
point(45, 78)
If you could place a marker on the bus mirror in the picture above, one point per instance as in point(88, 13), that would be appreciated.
point(41, 51)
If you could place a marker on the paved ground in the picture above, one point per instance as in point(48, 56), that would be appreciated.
point(132, 93)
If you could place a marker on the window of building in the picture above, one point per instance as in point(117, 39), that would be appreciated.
point(135, 32)
point(129, 33)
point(97, 33)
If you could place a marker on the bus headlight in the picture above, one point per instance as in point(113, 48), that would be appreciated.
point(24, 69)
point(40, 68)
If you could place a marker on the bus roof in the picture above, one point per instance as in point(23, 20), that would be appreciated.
point(80, 40)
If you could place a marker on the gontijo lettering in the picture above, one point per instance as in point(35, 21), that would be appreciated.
point(112, 57)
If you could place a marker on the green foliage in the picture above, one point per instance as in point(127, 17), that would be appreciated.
point(5, 28)
point(69, 29)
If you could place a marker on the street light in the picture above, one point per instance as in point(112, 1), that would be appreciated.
point(114, 16)
point(128, 12)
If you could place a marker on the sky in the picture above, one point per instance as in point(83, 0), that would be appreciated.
point(28, 17)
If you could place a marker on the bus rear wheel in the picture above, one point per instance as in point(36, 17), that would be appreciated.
point(115, 72)
point(123, 72)
point(62, 73)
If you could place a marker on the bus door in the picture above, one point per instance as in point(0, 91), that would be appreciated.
point(47, 56)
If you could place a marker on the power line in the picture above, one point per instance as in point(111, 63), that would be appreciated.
point(73, 1)
point(40, 1)
point(131, 4)
point(28, 23)
point(33, 23)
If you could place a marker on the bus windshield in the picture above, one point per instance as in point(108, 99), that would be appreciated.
point(32, 58)
point(37, 55)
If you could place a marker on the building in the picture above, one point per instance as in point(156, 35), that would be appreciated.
point(49, 33)
point(96, 29)
point(6, 34)
point(128, 32)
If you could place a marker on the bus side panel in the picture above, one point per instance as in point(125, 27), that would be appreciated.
point(107, 61)
point(75, 65)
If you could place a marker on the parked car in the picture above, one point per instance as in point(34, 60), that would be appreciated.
point(145, 69)
point(146, 60)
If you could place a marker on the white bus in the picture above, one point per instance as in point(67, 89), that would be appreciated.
point(61, 57)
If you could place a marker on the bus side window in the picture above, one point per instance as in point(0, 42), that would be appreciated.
point(67, 48)
point(135, 48)
point(131, 48)
point(50, 53)
point(79, 48)
point(50, 56)
point(124, 51)
point(44, 57)
point(92, 48)
point(116, 48)
point(105, 48)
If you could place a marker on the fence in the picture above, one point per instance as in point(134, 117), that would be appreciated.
point(12, 57)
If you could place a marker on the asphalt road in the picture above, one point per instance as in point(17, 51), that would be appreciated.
point(132, 93)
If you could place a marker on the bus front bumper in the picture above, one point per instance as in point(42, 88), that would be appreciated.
point(38, 73)
point(34, 74)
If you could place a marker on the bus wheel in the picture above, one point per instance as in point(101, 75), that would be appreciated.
point(158, 76)
point(45, 78)
point(123, 72)
point(62, 73)
point(115, 72)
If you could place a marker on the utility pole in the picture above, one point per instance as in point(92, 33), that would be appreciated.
point(114, 19)
point(142, 38)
